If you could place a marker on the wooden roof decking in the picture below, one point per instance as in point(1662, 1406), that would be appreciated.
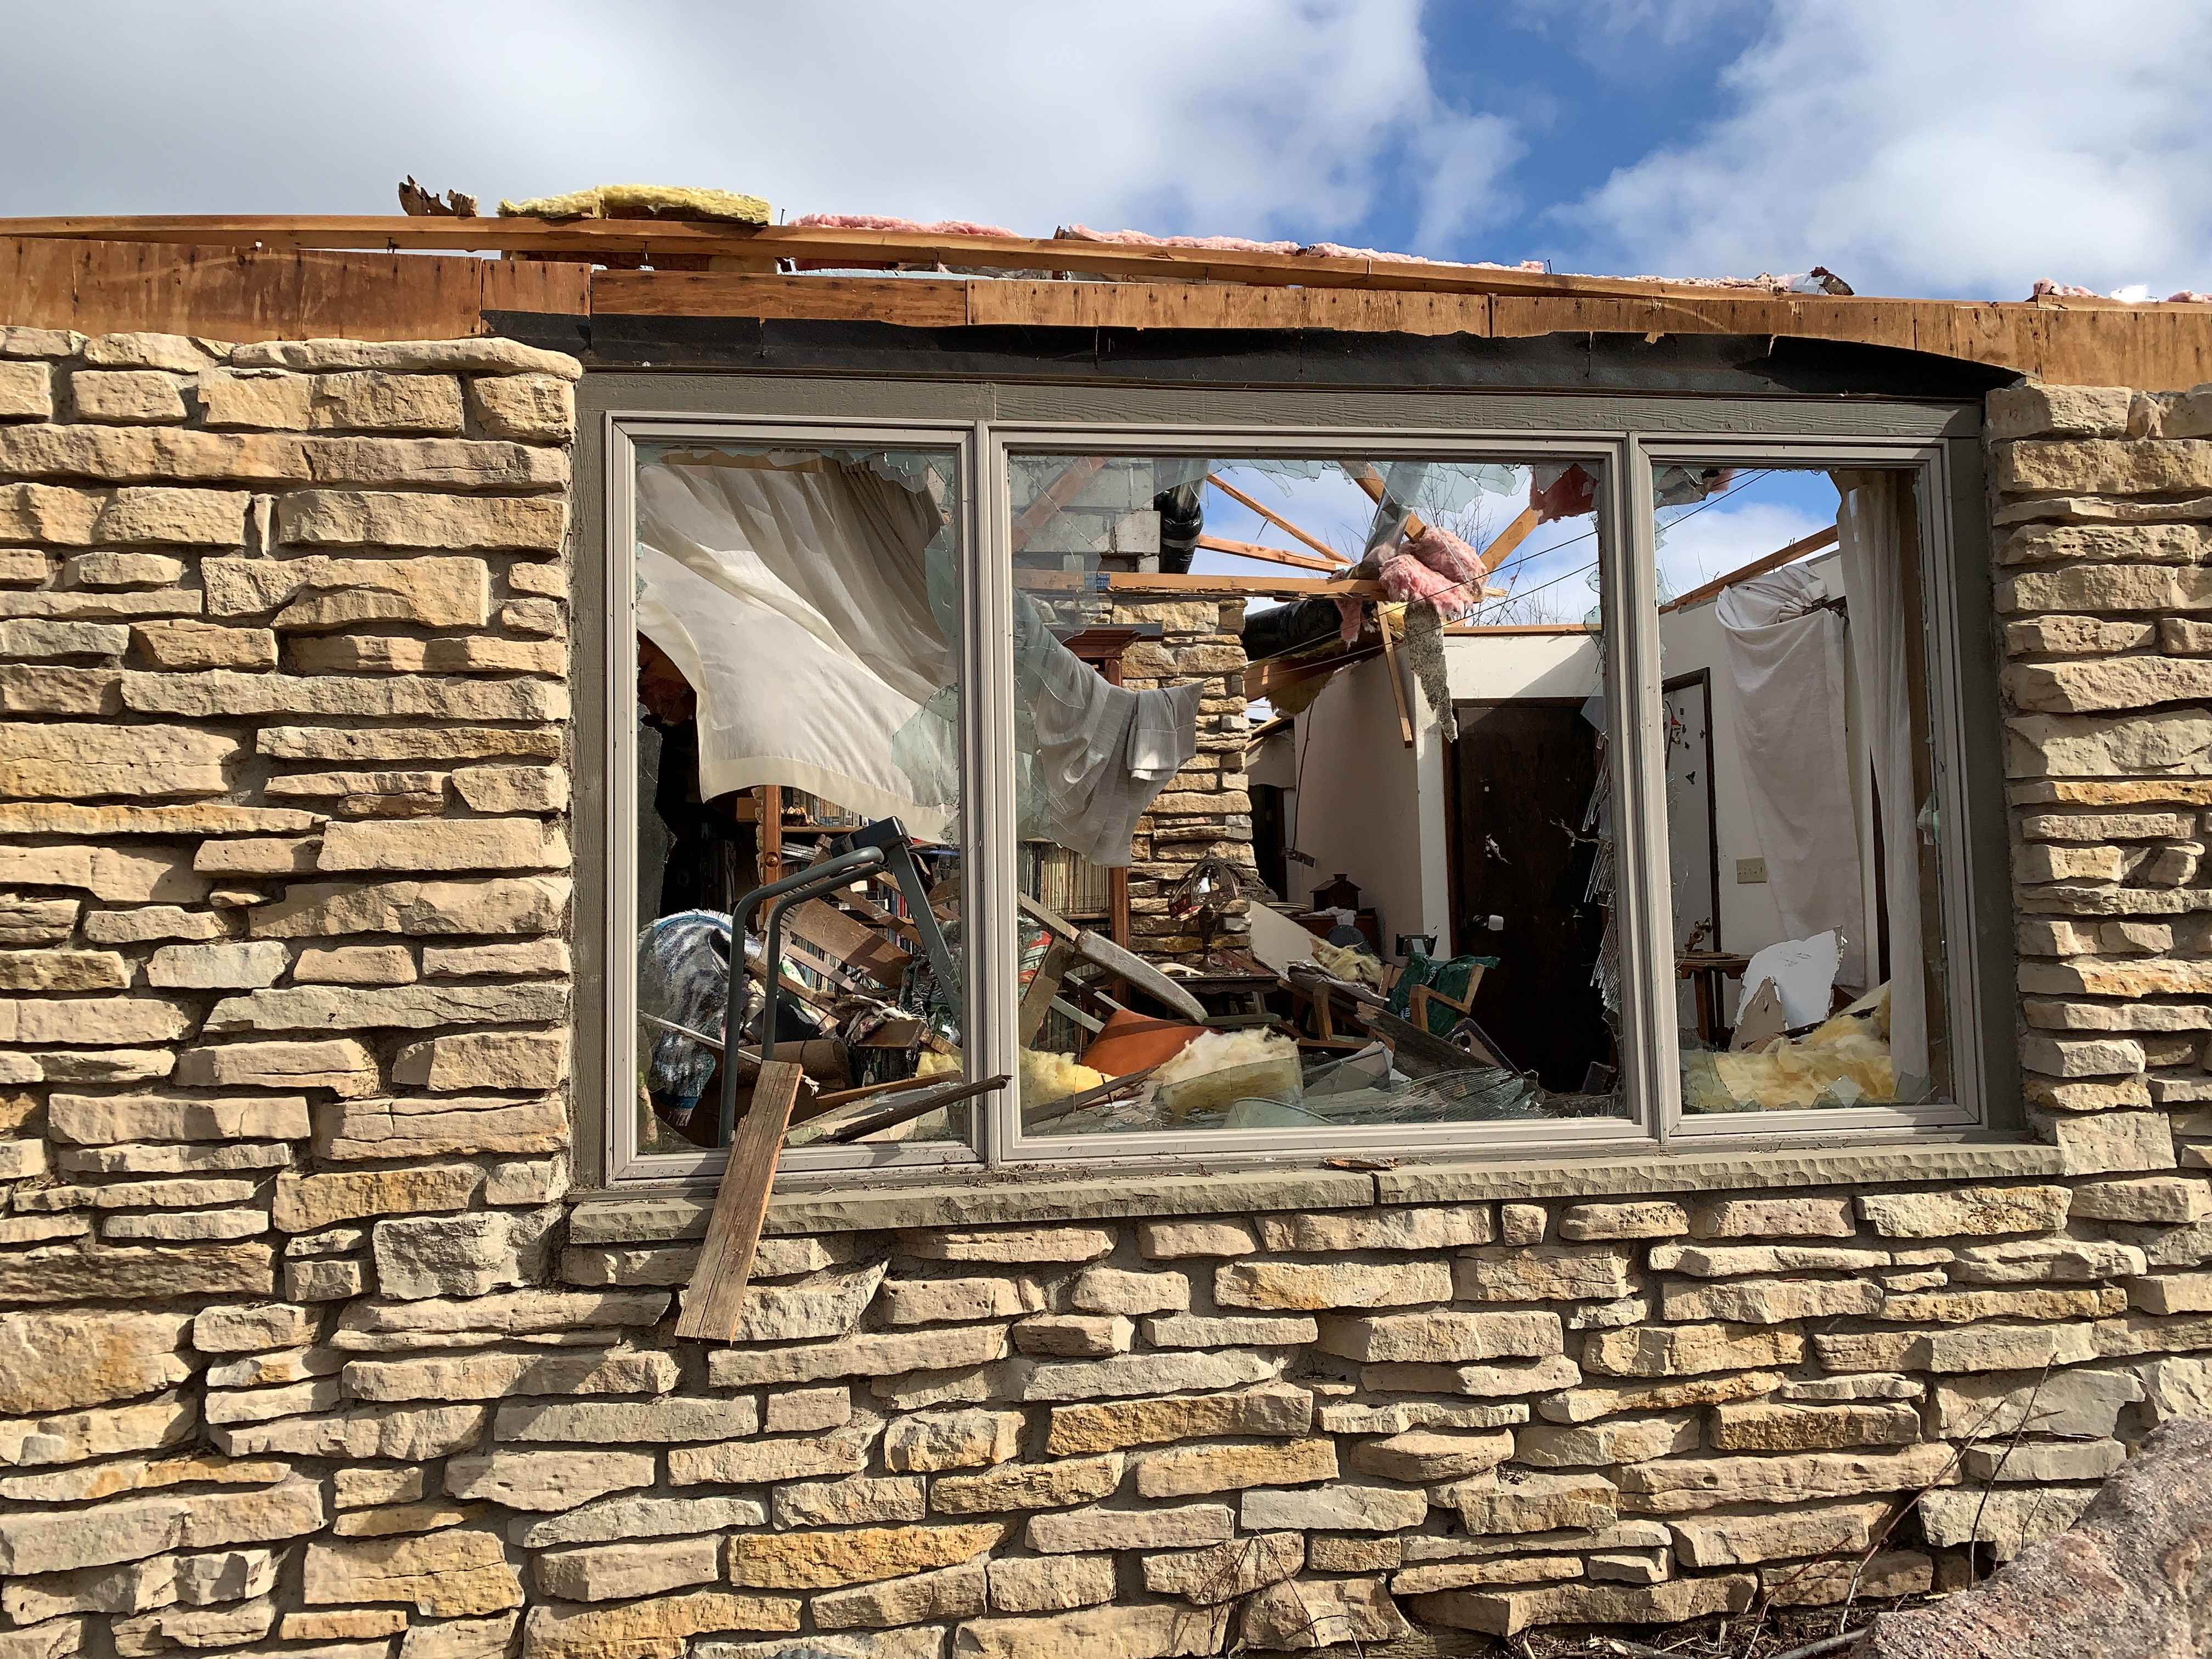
point(292, 276)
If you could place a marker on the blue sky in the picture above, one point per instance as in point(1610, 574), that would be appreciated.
point(1964, 149)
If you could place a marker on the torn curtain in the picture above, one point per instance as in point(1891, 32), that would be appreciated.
point(1871, 526)
point(1785, 663)
point(810, 603)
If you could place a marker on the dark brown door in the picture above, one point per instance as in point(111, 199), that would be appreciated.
point(1520, 778)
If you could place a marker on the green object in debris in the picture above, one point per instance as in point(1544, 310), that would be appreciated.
point(1447, 979)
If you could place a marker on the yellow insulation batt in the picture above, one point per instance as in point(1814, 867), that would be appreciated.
point(1846, 1058)
point(1045, 1077)
point(643, 202)
point(1215, 1071)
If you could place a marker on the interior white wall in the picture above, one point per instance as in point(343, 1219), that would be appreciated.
point(1358, 801)
point(1492, 667)
point(1691, 640)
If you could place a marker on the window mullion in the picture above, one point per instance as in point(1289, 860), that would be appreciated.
point(988, 847)
point(1636, 717)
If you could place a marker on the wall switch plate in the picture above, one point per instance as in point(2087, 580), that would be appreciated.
point(1750, 871)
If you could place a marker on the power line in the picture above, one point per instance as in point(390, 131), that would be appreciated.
point(1709, 501)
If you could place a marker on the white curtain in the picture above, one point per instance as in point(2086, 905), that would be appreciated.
point(1869, 527)
point(798, 596)
point(795, 601)
point(1785, 662)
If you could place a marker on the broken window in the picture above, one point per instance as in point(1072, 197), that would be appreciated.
point(1323, 1000)
point(1171, 795)
point(1801, 815)
point(799, 677)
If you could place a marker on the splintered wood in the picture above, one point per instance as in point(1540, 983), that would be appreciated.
point(716, 1297)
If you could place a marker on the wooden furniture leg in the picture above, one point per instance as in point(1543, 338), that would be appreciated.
point(1036, 1001)
point(716, 1299)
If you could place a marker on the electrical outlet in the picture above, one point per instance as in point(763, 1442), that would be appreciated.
point(1749, 871)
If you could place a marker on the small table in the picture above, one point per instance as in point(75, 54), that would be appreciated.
point(1232, 1001)
point(1706, 971)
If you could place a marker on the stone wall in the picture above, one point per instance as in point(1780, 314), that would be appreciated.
point(306, 1340)
point(1205, 810)
point(2103, 503)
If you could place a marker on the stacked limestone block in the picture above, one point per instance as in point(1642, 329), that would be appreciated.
point(2103, 509)
point(284, 969)
point(306, 1348)
point(1292, 1428)
point(1206, 808)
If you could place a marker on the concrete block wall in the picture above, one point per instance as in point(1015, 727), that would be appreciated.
point(307, 1346)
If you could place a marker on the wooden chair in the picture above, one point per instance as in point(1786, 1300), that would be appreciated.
point(1463, 1004)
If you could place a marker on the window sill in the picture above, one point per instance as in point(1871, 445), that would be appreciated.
point(1041, 1195)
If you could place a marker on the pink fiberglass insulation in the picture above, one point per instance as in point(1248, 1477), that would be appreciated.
point(2047, 289)
point(1449, 556)
point(1407, 579)
point(1213, 244)
point(882, 222)
point(1338, 251)
point(1351, 617)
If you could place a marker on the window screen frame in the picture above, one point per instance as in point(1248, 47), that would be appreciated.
point(1625, 432)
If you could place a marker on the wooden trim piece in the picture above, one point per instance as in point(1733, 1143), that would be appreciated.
point(909, 302)
point(1789, 554)
point(1457, 630)
point(716, 1300)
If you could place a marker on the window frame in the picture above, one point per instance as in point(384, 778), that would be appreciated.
point(1631, 432)
point(1928, 464)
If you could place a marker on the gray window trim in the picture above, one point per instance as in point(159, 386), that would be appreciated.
point(1624, 430)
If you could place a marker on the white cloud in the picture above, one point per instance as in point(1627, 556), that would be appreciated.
point(1210, 116)
point(1720, 539)
point(1957, 148)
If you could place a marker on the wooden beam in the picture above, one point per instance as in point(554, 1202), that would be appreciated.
point(1271, 554)
point(1397, 680)
point(716, 1300)
point(647, 237)
point(1262, 679)
point(1102, 581)
point(1275, 519)
point(910, 302)
point(1789, 554)
point(1508, 539)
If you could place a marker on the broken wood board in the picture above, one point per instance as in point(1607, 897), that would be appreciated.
point(846, 941)
point(714, 1301)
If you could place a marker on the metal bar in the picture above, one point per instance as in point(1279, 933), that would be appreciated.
point(788, 891)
